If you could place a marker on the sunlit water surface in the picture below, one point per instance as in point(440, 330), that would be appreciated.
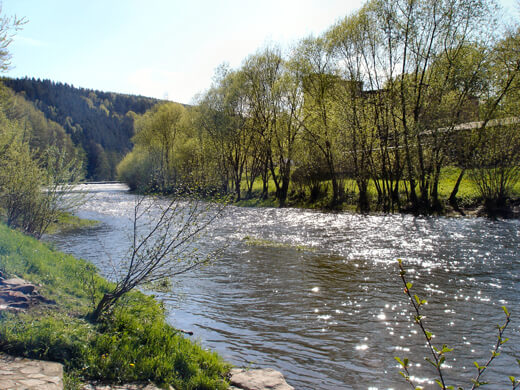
point(318, 295)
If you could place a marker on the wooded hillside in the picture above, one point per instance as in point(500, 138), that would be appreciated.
point(100, 122)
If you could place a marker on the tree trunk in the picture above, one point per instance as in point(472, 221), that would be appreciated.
point(453, 195)
point(104, 304)
point(284, 189)
point(363, 203)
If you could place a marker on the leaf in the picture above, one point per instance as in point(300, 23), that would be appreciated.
point(512, 379)
point(505, 311)
point(428, 334)
point(439, 383)
point(430, 361)
point(409, 285)
point(399, 361)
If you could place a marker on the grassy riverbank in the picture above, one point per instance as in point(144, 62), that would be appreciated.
point(468, 196)
point(133, 344)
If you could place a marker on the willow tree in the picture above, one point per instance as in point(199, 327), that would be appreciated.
point(314, 68)
point(495, 153)
point(225, 117)
point(413, 57)
point(156, 133)
point(276, 102)
point(365, 126)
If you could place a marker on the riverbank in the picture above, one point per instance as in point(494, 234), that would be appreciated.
point(293, 285)
point(468, 200)
point(470, 206)
point(133, 344)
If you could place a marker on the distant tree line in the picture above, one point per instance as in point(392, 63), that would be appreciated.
point(101, 123)
point(387, 97)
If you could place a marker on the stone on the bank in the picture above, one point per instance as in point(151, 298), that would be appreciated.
point(17, 294)
point(25, 288)
point(21, 373)
point(262, 379)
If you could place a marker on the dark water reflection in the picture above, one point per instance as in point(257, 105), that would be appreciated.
point(319, 297)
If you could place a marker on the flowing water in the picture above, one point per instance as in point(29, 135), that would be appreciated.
point(318, 295)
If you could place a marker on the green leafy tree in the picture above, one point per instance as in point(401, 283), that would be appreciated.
point(226, 120)
point(319, 121)
point(157, 131)
point(276, 103)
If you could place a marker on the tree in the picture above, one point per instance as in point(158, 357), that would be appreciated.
point(34, 190)
point(425, 64)
point(319, 123)
point(8, 27)
point(157, 131)
point(37, 159)
point(362, 114)
point(276, 102)
point(20, 178)
point(97, 162)
point(225, 117)
point(163, 244)
point(495, 154)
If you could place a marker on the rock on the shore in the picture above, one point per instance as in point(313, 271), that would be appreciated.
point(17, 294)
point(261, 379)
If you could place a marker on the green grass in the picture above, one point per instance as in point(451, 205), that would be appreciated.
point(253, 241)
point(468, 193)
point(67, 221)
point(133, 344)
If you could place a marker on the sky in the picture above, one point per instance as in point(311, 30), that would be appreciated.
point(167, 49)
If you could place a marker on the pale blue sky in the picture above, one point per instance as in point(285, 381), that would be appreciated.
point(159, 48)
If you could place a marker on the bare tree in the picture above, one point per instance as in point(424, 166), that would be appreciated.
point(164, 241)
point(9, 25)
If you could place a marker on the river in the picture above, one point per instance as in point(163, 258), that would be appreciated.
point(318, 295)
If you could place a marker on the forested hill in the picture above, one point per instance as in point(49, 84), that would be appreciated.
point(100, 122)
